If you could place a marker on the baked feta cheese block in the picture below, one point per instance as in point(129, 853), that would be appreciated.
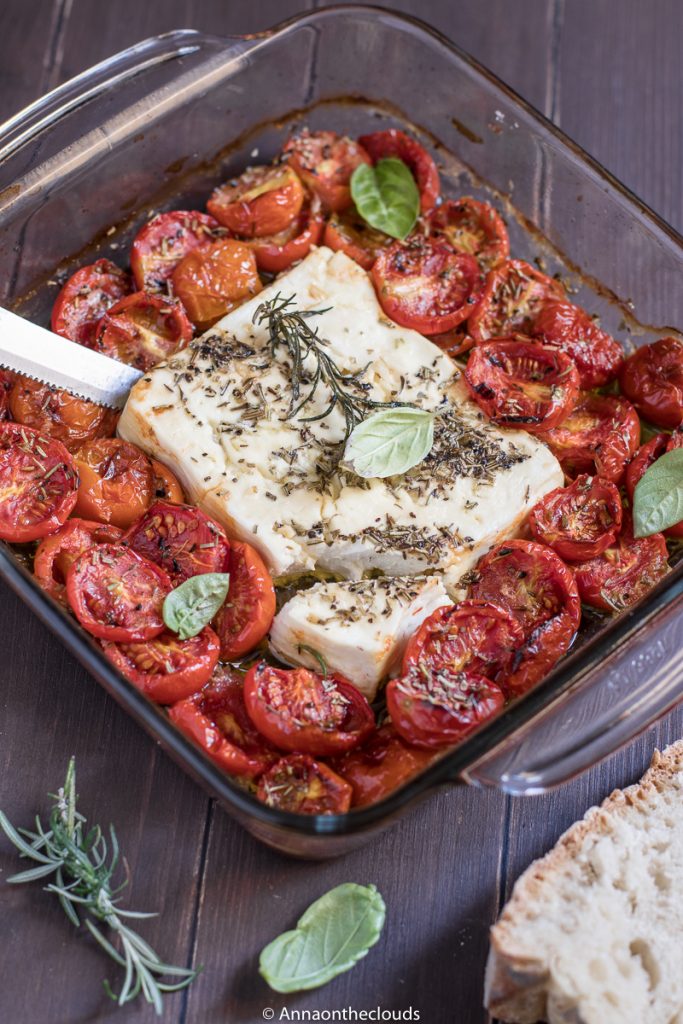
point(220, 414)
point(359, 629)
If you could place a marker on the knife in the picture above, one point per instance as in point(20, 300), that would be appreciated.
point(54, 360)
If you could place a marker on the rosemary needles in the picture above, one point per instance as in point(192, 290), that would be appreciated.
point(82, 863)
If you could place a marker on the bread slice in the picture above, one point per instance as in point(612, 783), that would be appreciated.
point(593, 932)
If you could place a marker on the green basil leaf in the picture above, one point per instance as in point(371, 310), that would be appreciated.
point(334, 933)
point(386, 196)
point(658, 497)
point(389, 442)
point(193, 604)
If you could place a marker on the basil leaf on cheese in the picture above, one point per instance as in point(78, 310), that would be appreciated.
point(658, 497)
point(335, 932)
point(193, 604)
point(386, 196)
point(389, 442)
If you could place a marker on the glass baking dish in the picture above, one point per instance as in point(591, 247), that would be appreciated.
point(83, 167)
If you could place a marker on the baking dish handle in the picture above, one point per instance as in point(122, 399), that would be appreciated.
point(634, 685)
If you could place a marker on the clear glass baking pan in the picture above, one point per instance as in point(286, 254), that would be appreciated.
point(160, 123)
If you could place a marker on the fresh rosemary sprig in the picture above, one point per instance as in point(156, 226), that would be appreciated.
point(82, 867)
point(287, 327)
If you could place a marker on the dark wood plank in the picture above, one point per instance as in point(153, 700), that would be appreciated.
point(28, 33)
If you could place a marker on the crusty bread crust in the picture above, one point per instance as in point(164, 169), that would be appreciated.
point(516, 987)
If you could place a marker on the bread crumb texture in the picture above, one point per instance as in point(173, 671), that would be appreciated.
point(593, 932)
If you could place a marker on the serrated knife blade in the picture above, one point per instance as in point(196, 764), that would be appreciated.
point(47, 357)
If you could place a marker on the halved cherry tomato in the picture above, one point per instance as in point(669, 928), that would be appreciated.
point(143, 329)
point(539, 654)
point(348, 232)
point(86, 297)
point(116, 594)
point(652, 378)
point(217, 720)
point(56, 413)
point(646, 455)
point(623, 573)
point(116, 482)
point(166, 484)
point(277, 252)
point(471, 226)
point(513, 296)
point(383, 764)
point(248, 612)
point(595, 352)
point(167, 669)
point(300, 785)
point(57, 553)
point(522, 384)
point(393, 142)
point(599, 436)
point(433, 707)
point(325, 162)
point(181, 539)
point(473, 636)
point(424, 284)
point(302, 711)
point(579, 521)
point(38, 484)
point(262, 201)
point(163, 241)
point(210, 282)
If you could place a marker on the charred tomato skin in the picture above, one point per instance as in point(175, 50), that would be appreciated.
point(579, 521)
point(599, 436)
point(513, 295)
point(652, 378)
point(595, 352)
point(623, 573)
point(300, 785)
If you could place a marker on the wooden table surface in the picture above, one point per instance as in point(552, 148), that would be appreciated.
point(610, 73)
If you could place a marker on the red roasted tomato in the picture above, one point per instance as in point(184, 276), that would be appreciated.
point(261, 202)
point(56, 554)
point(116, 482)
point(277, 252)
point(599, 436)
point(86, 297)
point(347, 232)
point(162, 243)
point(383, 764)
point(522, 384)
point(325, 162)
point(424, 284)
point(542, 650)
point(211, 282)
point(472, 227)
point(579, 521)
point(216, 719)
point(393, 142)
point(302, 711)
point(300, 785)
point(595, 352)
point(116, 594)
point(653, 380)
point(167, 669)
point(248, 612)
point(514, 295)
point(181, 539)
point(623, 573)
point(71, 420)
point(38, 483)
point(646, 455)
point(143, 329)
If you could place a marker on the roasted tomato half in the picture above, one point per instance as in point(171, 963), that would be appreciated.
point(116, 594)
point(325, 162)
point(71, 420)
point(646, 455)
point(300, 785)
point(162, 243)
point(261, 202)
point(302, 711)
point(599, 436)
point(347, 232)
point(143, 329)
point(652, 378)
point(393, 142)
point(540, 653)
point(278, 252)
point(86, 297)
point(38, 484)
point(116, 482)
point(424, 284)
point(210, 282)
point(623, 573)
point(166, 669)
point(248, 612)
point(579, 521)
point(383, 764)
point(473, 227)
point(56, 554)
point(181, 539)
point(216, 719)
point(522, 384)
point(595, 352)
point(513, 296)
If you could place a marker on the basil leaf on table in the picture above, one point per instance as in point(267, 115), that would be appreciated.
point(335, 932)
point(386, 196)
point(658, 497)
point(389, 442)
point(193, 604)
